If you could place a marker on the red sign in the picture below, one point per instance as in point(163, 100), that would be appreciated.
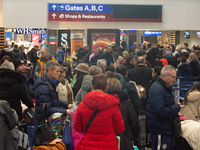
point(35, 38)
point(99, 17)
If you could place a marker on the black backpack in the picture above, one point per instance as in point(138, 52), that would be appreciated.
point(15, 55)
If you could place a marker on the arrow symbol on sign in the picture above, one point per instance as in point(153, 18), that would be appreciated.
point(54, 7)
point(54, 16)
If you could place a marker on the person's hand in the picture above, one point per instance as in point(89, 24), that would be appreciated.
point(69, 113)
point(112, 64)
point(70, 105)
point(181, 105)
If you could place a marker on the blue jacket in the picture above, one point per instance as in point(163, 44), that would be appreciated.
point(161, 108)
point(46, 93)
point(59, 56)
point(107, 57)
point(184, 70)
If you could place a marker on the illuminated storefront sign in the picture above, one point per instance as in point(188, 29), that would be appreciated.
point(152, 33)
point(31, 31)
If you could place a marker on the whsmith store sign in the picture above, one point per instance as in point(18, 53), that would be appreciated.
point(31, 31)
point(105, 13)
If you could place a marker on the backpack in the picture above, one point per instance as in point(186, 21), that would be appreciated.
point(15, 55)
point(56, 144)
point(23, 141)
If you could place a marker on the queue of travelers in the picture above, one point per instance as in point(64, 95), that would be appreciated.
point(121, 85)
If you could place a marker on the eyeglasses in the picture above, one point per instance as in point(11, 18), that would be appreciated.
point(174, 77)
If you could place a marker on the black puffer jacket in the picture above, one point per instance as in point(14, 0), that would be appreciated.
point(12, 89)
point(130, 119)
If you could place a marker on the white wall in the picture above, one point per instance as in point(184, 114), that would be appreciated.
point(176, 15)
point(191, 41)
point(1, 13)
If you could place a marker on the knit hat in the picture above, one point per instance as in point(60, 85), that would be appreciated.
point(82, 67)
point(95, 70)
point(17, 63)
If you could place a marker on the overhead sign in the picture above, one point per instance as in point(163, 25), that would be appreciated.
point(152, 33)
point(63, 38)
point(31, 31)
point(106, 13)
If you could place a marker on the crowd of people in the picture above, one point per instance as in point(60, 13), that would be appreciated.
point(121, 84)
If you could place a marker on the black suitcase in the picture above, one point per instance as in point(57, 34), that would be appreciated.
point(181, 144)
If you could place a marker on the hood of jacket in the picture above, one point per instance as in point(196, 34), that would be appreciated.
point(16, 50)
point(44, 79)
point(122, 81)
point(159, 57)
point(100, 100)
point(122, 96)
point(193, 96)
point(9, 77)
point(184, 66)
point(87, 82)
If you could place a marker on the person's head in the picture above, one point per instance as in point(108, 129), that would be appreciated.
point(77, 48)
point(36, 47)
point(19, 65)
point(197, 52)
point(96, 52)
point(102, 63)
point(109, 49)
point(113, 44)
point(45, 53)
point(138, 46)
point(4, 59)
point(196, 87)
point(163, 52)
point(116, 52)
point(178, 47)
point(125, 54)
point(149, 46)
point(122, 70)
point(8, 65)
point(114, 84)
point(53, 70)
point(192, 57)
point(59, 48)
point(156, 71)
point(82, 69)
point(86, 47)
point(110, 74)
point(172, 48)
point(142, 53)
point(95, 70)
point(66, 66)
point(99, 82)
point(168, 75)
point(97, 47)
point(62, 72)
point(131, 60)
point(21, 48)
point(141, 60)
point(183, 59)
point(194, 48)
point(15, 46)
point(6, 46)
point(110, 68)
point(185, 45)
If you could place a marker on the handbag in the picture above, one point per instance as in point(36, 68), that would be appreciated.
point(56, 144)
point(67, 138)
point(43, 133)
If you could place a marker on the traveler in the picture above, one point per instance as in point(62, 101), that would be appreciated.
point(59, 55)
point(4, 59)
point(107, 56)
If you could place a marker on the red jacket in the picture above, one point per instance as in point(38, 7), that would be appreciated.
point(101, 133)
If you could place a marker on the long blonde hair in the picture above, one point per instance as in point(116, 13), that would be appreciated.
point(197, 86)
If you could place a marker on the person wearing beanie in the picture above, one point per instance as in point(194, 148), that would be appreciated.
point(81, 70)
point(13, 88)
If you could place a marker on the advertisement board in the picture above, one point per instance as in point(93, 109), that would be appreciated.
point(64, 38)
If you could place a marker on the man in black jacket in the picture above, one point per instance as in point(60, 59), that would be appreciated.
point(33, 59)
point(151, 54)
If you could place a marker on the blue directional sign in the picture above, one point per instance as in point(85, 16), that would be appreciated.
point(152, 33)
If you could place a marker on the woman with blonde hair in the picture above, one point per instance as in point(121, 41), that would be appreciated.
point(192, 102)
point(192, 57)
point(125, 54)
point(128, 113)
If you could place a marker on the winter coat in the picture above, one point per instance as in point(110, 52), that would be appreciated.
point(134, 97)
point(117, 60)
point(59, 56)
point(76, 136)
point(13, 89)
point(85, 88)
point(161, 59)
point(83, 56)
point(101, 133)
point(193, 68)
point(62, 90)
point(107, 57)
point(94, 60)
point(77, 85)
point(16, 54)
point(7, 123)
point(130, 119)
point(192, 109)
point(6, 51)
point(151, 56)
point(46, 93)
point(190, 132)
point(161, 108)
point(141, 75)
point(33, 55)
point(184, 70)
